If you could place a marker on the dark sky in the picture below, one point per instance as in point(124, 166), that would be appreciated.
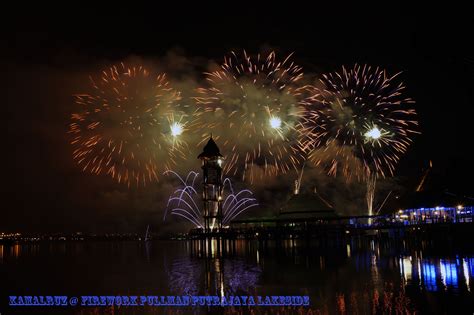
point(48, 52)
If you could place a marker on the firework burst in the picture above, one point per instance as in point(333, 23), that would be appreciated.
point(130, 127)
point(357, 122)
point(184, 201)
point(252, 105)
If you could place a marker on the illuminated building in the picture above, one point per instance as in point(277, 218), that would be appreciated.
point(212, 191)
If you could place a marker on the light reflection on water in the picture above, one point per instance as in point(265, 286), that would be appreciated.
point(354, 277)
point(220, 276)
point(433, 274)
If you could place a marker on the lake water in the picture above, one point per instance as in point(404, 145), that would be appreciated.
point(356, 277)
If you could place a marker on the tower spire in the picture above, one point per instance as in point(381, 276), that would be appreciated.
point(212, 161)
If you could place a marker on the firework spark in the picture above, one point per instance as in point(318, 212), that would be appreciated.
point(361, 116)
point(184, 201)
point(176, 129)
point(256, 98)
point(129, 127)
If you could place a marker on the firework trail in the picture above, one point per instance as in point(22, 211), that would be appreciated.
point(130, 127)
point(184, 201)
point(357, 122)
point(371, 182)
point(252, 105)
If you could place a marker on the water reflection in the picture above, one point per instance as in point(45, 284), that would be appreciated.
point(449, 275)
point(433, 274)
point(15, 250)
point(406, 268)
point(429, 277)
point(217, 276)
point(357, 276)
point(465, 269)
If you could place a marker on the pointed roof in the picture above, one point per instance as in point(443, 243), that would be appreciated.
point(210, 150)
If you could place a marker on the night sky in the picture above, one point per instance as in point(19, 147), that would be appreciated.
point(48, 53)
